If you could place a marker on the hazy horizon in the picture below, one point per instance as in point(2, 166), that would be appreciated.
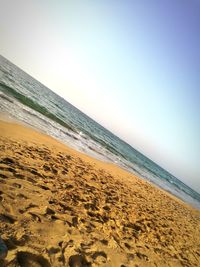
point(133, 68)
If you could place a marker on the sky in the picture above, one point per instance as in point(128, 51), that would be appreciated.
point(133, 66)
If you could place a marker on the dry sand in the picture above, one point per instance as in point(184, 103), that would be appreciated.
point(59, 207)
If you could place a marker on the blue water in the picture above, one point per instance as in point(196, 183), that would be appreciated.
point(83, 133)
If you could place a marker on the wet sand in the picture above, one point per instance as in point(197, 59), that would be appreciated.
point(59, 207)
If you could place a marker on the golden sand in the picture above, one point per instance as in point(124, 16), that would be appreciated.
point(59, 207)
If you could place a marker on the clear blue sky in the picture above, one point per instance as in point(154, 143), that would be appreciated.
point(134, 66)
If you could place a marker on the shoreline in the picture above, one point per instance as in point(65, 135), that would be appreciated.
point(185, 194)
point(59, 206)
point(6, 118)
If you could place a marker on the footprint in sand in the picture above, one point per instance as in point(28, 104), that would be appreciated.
point(22, 196)
point(99, 257)
point(7, 218)
point(3, 250)
point(16, 185)
point(78, 261)
point(142, 256)
point(27, 259)
point(49, 211)
point(104, 242)
point(19, 176)
point(35, 216)
point(3, 176)
point(44, 187)
point(46, 168)
point(8, 169)
point(8, 161)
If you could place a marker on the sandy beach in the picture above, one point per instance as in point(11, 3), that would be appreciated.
point(59, 207)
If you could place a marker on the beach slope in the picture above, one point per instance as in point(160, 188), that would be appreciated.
point(59, 207)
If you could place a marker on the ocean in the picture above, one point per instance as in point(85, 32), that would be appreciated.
point(27, 100)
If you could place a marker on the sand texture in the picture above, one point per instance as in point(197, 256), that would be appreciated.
point(59, 207)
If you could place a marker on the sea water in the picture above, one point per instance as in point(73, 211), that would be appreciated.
point(25, 99)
